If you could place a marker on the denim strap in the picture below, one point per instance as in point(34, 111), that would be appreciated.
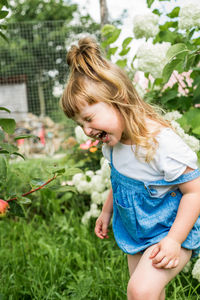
point(181, 179)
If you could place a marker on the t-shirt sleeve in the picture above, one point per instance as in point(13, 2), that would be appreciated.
point(173, 155)
point(106, 151)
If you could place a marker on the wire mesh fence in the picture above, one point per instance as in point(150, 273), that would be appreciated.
point(33, 68)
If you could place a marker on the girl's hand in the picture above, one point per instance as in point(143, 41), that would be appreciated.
point(166, 253)
point(101, 228)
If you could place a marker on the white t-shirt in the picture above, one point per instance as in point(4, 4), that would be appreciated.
point(171, 159)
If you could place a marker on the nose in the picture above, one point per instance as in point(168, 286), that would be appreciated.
point(87, 130)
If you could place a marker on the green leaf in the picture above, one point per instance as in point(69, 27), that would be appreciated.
point(23, 200)
point(167, 36)
point(8, 147)
point(126, 42)
point(3, 151)
point(4, 37)
point(169, 68)
point(16, 209)
point(171, 94)
point(8, 125)
point(4, 108)
point(192, 119)
point(121, 63)
point(111, 51)
point(111, 38)
point(59, 171)
point(5, 3)
point(72, 171)
point(66, 188)
point(149, 3)
point(175, 50)
point(197, 93)
point(196, 130)
point(174, 13)
point(107, 29)
point(83, 288)
point(3, 14)
point(26, 136)
point(167, 25)
point(3, 168)
point(124, 51)
point(19, 154)
point(2, 135)
point(156, 12)
point(36, 182)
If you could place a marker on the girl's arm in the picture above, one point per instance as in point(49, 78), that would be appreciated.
point(101, 228)
point(166, 253)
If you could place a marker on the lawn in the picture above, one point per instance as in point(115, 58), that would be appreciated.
point(50, 254)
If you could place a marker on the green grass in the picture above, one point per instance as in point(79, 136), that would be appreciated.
point(50, 255)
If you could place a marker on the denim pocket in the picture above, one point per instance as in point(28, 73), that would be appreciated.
point(128, 218)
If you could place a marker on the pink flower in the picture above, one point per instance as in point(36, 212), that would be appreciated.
point(3, 207)
point(88, 144)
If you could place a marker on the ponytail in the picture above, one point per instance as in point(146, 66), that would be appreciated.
point(86, 58)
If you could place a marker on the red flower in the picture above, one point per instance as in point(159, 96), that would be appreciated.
point(3, 207)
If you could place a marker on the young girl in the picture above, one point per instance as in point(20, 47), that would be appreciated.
point(155, 196)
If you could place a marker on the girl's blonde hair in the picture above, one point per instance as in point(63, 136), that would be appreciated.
point(94, 79)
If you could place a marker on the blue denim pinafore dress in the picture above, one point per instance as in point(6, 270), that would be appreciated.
point(140, 219)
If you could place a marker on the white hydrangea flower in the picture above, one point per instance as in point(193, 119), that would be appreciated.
point(98, 172)
point(97, 183)
point(84, 187)
point(190, 140)
point(81, 137)
point(96, 197)
point(173, 115)
point(93, 212)
point(187, 267)
point(105, 170)
point(189, 15)
point(152, 58)
point(77, 178)
point(196, 270)
point(89, 173)
point(145, 25)
point(86, 217)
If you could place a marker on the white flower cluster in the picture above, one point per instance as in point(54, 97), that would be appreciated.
point(145, 25)
point(196, 270)
point(189, 15)
point(81, 137)
point(190, 140)
point(152, 58)
point(97, 185)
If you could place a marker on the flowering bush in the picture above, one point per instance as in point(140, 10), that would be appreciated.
point(196, 270)
point(97, 185)
point(192, 142)
point(152, 58)
point(145, 25)
point(189, 15)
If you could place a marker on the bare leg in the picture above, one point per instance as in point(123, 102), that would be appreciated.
point(148, 282)
point(133, 261)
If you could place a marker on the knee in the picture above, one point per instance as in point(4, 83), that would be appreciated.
point(141, 291)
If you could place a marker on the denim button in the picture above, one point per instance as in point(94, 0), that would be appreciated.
point(173, 194)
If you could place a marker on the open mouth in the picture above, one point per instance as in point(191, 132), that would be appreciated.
point(103, 136)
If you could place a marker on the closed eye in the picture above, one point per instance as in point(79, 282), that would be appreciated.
point(88, 119)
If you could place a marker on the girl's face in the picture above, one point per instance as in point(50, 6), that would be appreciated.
point(101, 121)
